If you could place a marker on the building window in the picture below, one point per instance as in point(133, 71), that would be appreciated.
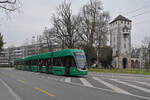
point(125, 35)
point(123, 30)
point(124, 22)
point(121, 22)
point(124, 45)
point(126, 30)
point(124, 39)
point(114, 39)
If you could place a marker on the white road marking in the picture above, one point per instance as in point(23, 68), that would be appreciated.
point(85, 82)
point(116, 76)
point(36, 73)
point(11, 91)
point(116, 89)
point(68, 80)
point(56, 79)
point(42, 76)
point(134, 86)
point(61, 79)
point(144, 83)
point(108, 90)
point(48, 77)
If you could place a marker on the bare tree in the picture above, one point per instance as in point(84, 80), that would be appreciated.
point(146, 53)
point(65, 25)
point(94, 25)
point(94, 20)
point(49, 38)
point(9, 5)
point(39, 44)
point(1, 42)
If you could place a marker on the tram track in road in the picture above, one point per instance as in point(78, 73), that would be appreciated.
point(84, 82)
point(14, 94)
point(24, 84)
point(31, 79)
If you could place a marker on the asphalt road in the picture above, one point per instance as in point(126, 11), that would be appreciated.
point(24, 85)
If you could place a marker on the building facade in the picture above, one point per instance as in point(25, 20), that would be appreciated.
point(4, 57)
point(144, 57)
point(120, 41)
point(135, 58)
point(8, 55)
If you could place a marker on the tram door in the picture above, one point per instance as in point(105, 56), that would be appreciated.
point(67, 60)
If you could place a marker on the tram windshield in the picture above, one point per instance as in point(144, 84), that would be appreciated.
point(80, 60)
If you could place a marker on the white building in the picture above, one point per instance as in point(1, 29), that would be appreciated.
point(144, 56)
point(4, 57)
point(8, 55)
point(120, 41)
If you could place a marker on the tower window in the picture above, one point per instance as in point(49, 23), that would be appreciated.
point(124, 45)
point(114, 38)
point(124, 39)
point(114, 46)
point(126, 30)
point(125, 35)
point(123, 30)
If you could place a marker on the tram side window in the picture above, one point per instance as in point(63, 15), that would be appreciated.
point(64, 61)
point(34, 62)
point(27, 63)
point(57, 61)
point(44, 62)
point(49, 61)
point(68, 61)
point(41, 62)
point(73, 64)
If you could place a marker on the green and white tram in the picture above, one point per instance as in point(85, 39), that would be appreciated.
point(64, 62)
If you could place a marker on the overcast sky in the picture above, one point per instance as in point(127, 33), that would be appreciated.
point(36, 14)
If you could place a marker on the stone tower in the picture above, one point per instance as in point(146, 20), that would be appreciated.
point(120, 41)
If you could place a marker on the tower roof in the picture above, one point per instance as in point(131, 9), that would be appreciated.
point(122, 18)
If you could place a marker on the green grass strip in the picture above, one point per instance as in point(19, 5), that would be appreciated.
point(124, 71)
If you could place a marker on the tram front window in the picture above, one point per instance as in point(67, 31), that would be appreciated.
point(80, 60)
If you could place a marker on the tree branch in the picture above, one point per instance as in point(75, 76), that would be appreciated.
point(8, 2)
point(8, 9)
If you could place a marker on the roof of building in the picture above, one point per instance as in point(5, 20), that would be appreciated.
point(120, 17)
